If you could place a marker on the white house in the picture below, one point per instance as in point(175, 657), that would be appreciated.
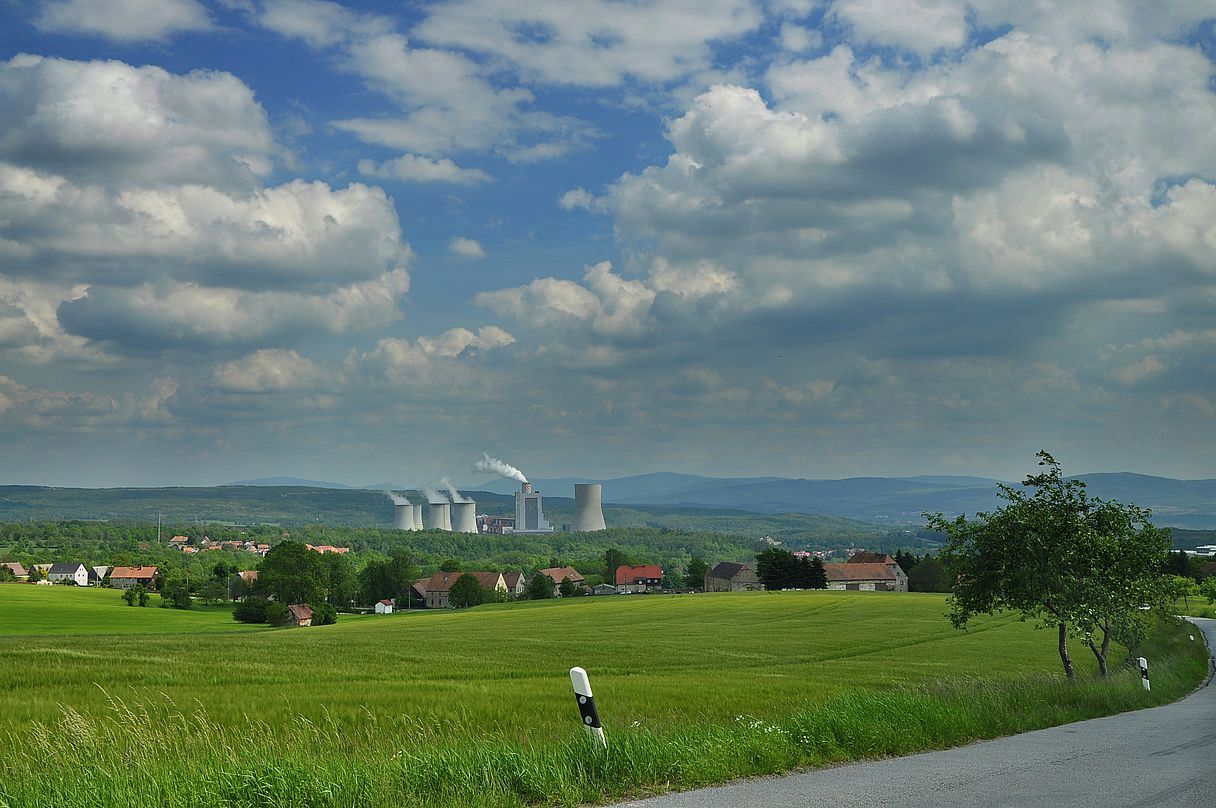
point(75, 572)
point(384, 607)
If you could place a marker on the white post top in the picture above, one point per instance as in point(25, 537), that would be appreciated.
point(578, 678)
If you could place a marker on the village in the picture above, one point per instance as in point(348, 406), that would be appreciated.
point(863, 571)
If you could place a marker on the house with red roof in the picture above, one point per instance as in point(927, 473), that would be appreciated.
point(127, 577)
point(559, 574)
point(639, 578)
point(882, 575)
point(439, 586)
point(299, 614)
point(384, 606)
point(516, 582)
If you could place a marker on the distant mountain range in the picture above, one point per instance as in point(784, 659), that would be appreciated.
point(882, 500)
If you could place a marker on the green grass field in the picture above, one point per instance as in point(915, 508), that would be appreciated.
point(475, 707)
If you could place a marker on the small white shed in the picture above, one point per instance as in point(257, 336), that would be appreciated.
point(384, 607)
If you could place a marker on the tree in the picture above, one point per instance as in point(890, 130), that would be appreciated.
point(466, 591)
point(277, 613)
point(250, 610)
point(613, 558)
point(175, 592)
point(539, 587)
point(35, 574)
point(338, 578)
point(567, 588)
point(214, 591)
point(906, 561)
point(291, 573)
point(450, 565)
point(1182, 587)
point(389, 578)
point(324, 614)
point(1177, 563)
point(128, 597)
point(775, 568)
point(1208, 589)
point(694, 576)
point(7, 574)
point(929, 575)
point(818, 577)
point(1057, 556)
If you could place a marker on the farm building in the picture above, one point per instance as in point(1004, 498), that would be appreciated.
point(884, 575)
point(728, 576)
point(439, 585)
point(242, 583)
point(72, 571)
point(559, 574)
point(328, 548)
point(603, 589)
point(98, 575)
point(19, 572)
point(384, 607)
point(516, 583)
point(639, 578)
point(127, 577)
point(299, 614)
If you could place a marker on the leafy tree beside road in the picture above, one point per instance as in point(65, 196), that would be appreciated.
point(1057, 556)
point(694, 576)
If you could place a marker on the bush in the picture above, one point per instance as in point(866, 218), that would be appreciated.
point(324, 614)
point(277, 614)
point(250, 610)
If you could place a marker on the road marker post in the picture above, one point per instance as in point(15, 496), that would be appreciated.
point(1144, 673)
point(586, 705)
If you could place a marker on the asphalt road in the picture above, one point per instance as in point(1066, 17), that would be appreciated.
point(1163, 756)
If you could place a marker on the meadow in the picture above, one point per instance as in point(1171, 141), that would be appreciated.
point(475, 708)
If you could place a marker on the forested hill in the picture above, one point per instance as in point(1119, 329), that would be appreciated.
point(292, 506)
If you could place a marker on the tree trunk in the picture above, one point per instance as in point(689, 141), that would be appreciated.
point(1100, 654)
point(1067, 660)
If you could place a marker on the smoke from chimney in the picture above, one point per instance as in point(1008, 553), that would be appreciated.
point(456, 496)
point(397, 500)
point(492, 465)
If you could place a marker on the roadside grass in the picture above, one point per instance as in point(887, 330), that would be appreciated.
point(433, 708)
point(1195, 606)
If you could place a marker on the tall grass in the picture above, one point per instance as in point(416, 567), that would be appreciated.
point(157, 752)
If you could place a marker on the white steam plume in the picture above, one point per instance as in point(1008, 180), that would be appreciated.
point(456, 495)
point(397, 500)
point(492, 465)
point(433, 496)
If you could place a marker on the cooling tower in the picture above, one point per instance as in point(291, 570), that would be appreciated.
point(588, 512)
point(403, 516)
point(417, 517)
point(440, 514)
point(464, 517)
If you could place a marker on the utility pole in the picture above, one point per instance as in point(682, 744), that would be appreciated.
point(158, 527)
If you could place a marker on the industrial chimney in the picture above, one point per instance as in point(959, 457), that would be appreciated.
point(440, 514)
point(588, 511)
point(403, 516)
point(418, 517)
point(464, 516)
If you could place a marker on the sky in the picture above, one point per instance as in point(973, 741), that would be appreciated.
point(808, 238)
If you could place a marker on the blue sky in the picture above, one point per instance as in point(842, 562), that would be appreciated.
point(361, 241)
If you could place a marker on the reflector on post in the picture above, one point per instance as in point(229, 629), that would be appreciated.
point(586, 705)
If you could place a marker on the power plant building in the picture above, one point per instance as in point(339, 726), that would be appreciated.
point(440, 514)
point(403, 516)
point(464, 517)
point(529, 511)
point(588, 508)
point(418, 517)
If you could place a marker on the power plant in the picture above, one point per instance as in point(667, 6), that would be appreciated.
point(417, 517)
point(440, 515)
point(588, 508)
point(403, 516)
point(529, 511)
point(464, 516)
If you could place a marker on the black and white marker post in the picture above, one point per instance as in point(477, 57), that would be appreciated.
point(586, 705)
point(1144, 673)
